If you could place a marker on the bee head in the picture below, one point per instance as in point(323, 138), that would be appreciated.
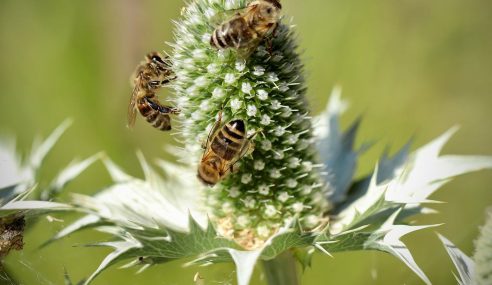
point(270, 10)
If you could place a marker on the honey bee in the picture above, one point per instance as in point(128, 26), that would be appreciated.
point(248, 27)
point(152, 74)
point(225, 146)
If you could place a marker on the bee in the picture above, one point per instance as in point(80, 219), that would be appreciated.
point(225, 146)
point(248, 27)
point(152, 74)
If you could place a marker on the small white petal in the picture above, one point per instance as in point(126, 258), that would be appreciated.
point(259, 70)
point(249, 202)
point(306, 190)
point(234, 192)
point(298, 207)
point(242, 221)
point(292, 139)
point(201, 81)
point(265, 120)
point(270, 211)
point(235, 104)
point(263, 231)
point(286, 112)
point(278, 155)
point(246, 88)
point(266, 145)
point(275, 173)
point(283, 87)
point(259, 165)
point(199, 54)
point(229, 78)
point(205, 105)
point(276, 105)
point(302, 145)
point(263, 189)
point(262, 94)
point(240, 65)
point(283, 197)
point(294, 162)
point(307, 166)
point(227, 208)
point(291, 183)
point(218, 93)
point(312, 221)
point(210, 13)
point(246, 178)
point(272, 77)
point(192, 91)
point(251, 110)
point(197, 115)
point(213, 68)
point(279, 131)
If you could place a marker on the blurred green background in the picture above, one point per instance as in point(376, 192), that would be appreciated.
point(411, 68)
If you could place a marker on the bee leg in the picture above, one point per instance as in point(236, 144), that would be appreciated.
point(156, 105)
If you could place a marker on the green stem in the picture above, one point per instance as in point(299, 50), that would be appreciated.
point(281, 270)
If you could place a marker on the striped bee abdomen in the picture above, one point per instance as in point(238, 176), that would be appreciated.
point(153, 114)
point(235, 33)
point(228, 142)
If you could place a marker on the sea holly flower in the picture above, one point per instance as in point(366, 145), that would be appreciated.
point(292, 194)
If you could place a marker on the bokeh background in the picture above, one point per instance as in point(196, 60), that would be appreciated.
point(411, 68)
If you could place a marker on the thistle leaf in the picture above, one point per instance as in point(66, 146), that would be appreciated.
point(40, 151)
point(67, 175)
point(462, 262)
point(336, 148)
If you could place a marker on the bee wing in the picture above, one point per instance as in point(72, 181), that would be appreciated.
point(132, 108)
point(226, 15)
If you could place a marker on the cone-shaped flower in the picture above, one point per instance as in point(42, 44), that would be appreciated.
point(265, 90)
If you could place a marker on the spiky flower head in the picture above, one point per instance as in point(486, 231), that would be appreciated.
point(279, 181)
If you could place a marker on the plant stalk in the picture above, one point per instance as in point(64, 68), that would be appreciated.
point(281, 270)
